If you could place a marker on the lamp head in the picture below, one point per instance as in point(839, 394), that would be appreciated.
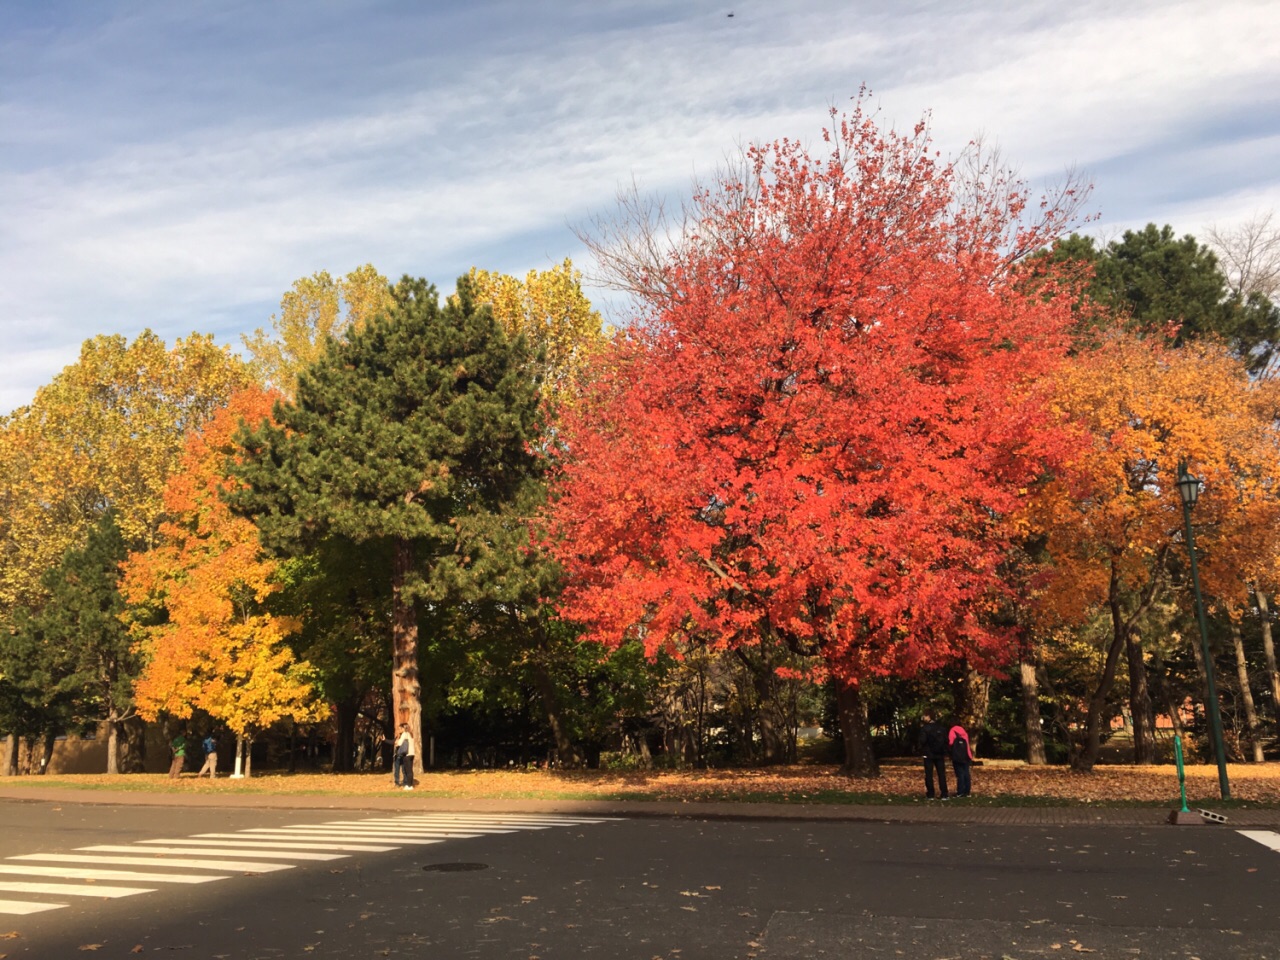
point(1188, 486)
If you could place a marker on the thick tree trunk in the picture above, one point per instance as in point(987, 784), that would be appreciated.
point(1246, 694)
point(113, 743)
point(855, 731)
point(11, 762)
point(345, 715)
point(134, 749)
point(1144, 739)
point(1031, 711)
point(1269, 650)
point(406, 688)
point(975, 701)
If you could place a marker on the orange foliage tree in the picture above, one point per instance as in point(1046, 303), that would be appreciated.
point(1111, 518)
point(815, 435)
point(218, 647)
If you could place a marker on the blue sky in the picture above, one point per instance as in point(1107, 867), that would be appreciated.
point(178, 165)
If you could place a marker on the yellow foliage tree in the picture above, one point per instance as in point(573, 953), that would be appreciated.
point(219, 648)
point(315, 309)
point(105, 433)
point(555, 316)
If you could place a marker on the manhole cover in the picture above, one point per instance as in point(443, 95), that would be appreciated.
point(454, 867)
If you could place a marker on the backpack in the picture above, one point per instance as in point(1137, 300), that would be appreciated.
point(210, 745)
point(935, 740)
point(402, 748)
point(960, 749)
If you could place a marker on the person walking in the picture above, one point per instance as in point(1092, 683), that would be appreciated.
point(179, 746)
point(210, 758)
point(404, 757)
point(961, 759)
point(932, 745)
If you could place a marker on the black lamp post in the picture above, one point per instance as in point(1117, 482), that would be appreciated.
point(1189, 491)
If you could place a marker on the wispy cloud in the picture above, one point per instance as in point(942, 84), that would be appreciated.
point(177, 166)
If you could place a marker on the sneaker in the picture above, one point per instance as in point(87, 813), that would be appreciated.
point(408, 788)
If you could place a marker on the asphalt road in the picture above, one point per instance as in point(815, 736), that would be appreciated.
point(626, 888)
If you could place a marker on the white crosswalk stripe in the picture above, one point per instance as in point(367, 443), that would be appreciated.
point(284, 844)
point(1268, 838)
point(249, 851)
point(385, 837)
point(71, 889)
point(74, 873)
point(221, 849)
point(27, 906)
point(241, 866)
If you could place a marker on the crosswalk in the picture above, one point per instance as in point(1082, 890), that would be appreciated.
point(1268, 838)
point(37, 882)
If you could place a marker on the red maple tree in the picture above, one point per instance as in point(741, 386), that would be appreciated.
point(815, 435)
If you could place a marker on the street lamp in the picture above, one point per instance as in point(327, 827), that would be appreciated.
point(1189, 491)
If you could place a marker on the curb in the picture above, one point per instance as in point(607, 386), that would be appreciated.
point(933, 813)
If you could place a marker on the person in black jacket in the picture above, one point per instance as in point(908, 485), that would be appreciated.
point(933, 747)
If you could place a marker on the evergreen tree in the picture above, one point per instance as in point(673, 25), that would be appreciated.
point(73, 659)
point(415, 433)
point(1152, 278)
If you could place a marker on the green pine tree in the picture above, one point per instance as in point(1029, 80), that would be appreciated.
point(415, 432)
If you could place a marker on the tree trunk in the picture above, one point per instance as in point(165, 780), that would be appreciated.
point(46, 756)
point(1085, 750)
point(975, 701)
point(134, 749)
point(406, 689)
point(11, 762)
point(248, 757)
point(1269, 649)
point(1031, 711)
point(855, 731)
point(565, 750)
point(113, 743)
point(345, 714)
point(1162, 691)
point(1209, 748)
point(1246, 694)
point(1144, 739)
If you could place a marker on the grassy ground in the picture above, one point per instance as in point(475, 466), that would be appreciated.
point(1004, 783)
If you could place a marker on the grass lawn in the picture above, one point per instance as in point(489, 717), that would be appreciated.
point(996, 782)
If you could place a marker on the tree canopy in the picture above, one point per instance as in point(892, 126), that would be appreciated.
point(818, 431)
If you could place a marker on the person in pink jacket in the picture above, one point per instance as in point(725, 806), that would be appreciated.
point(961, 759)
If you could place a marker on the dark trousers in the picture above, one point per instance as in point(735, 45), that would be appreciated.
point(963, 781)
point(406, 770)
point(397, 762)
point(930, 765)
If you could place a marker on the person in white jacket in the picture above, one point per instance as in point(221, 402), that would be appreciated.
point(405, 754)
